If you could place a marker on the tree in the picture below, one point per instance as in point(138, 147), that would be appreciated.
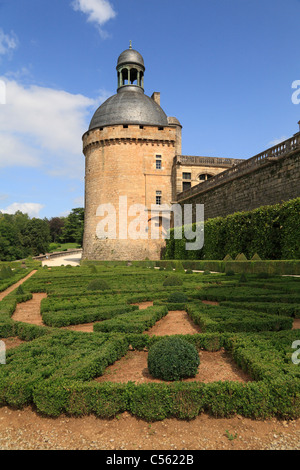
point(72, 231)
point(36, 236)
point(11, 243)
point(56, 225)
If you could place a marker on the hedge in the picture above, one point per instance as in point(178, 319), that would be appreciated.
point(221, 319)
point(272, 232)
point(77, 316)
point(133, 322)
point(275, 391)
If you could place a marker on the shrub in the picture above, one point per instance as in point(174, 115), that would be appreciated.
point(177, 297)
point(230, 272)
point(173, 359)
point(188, 271)
point(206, 273)
point(98, 284)
point(241, 257)
point(263, 275)
point(243, 278)
point(173, 281)
point(20, 290)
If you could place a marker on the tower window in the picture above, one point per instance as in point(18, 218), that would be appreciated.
point(158, 162)
point(186, 176)
point(160, 128)
point(125, 126)
point(158, 198)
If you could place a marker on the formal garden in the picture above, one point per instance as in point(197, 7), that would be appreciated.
point(251, 318)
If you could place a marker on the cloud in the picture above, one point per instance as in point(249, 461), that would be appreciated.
point(42, 127)
point(31, 208)
point(8, 42)
point(97, 11)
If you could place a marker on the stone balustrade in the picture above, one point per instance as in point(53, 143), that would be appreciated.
point(245, 166)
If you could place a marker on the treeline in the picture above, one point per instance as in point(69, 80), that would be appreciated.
point(21, 236)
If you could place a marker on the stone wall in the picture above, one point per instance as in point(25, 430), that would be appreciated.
point(196, 166)
point(121, 162)
point(269, 181)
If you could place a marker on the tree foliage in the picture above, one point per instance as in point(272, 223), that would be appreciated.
point(72, 231)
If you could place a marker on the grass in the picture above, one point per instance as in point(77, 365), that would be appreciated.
point(54, 247)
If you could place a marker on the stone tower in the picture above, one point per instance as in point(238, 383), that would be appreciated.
point(129, 151)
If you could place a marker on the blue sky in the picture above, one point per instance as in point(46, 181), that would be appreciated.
point(225, 69)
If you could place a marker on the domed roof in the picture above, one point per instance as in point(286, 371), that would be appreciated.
point(130, 56)
point(129, 106)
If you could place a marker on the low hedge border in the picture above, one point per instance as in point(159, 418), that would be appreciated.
point(132, 322)
point(272, 308)
point(275, 393)
point(221, 319)
point(74, 317)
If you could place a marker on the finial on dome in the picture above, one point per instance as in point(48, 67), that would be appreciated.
point(130, 44)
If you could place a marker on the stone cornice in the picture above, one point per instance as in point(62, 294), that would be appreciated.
point(127, 141)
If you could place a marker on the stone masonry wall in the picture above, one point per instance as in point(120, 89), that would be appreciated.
point(274, 182)
point(121, 161)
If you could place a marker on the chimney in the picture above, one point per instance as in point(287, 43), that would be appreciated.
point(156, 97)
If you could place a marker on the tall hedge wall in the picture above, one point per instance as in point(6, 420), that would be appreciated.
point(270, 231)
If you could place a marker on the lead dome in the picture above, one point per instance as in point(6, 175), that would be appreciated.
point(130, 105)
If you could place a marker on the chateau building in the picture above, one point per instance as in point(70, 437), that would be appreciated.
point(133, 156)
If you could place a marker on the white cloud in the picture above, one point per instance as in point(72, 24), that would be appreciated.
point(31, 208)
point(8, 42)
point(43, 127)
point(97, 11)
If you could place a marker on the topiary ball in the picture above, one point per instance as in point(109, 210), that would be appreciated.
point(173, 359)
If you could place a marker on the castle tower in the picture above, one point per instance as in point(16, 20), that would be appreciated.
point(129, 151)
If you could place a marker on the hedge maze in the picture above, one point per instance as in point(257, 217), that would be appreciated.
point(54, 369)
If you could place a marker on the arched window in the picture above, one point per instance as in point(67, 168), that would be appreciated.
point(204, 177)
point(133, 76)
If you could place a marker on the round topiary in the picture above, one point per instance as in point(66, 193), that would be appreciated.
point(173, 358)
point(173, 281)
point(98, 284)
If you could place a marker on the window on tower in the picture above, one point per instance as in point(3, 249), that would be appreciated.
point(158, 198)
point(158, 162)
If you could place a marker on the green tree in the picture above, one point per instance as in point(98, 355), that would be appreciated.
point(56, 225)
point(36, 236)
point(11, 245)
point(72, 231)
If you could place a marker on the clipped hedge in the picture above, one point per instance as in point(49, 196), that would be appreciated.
point(221, 319)
point(272, 232)
point(133, 322)
point(75, 317)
